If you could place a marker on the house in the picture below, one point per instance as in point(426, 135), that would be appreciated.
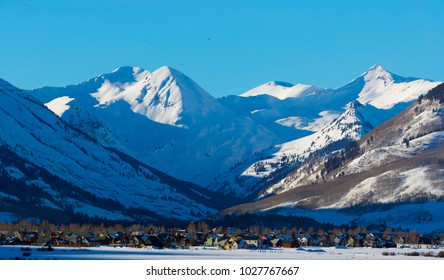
point(43, 240)
point(266, 241)
point(368, 240)
point(73, 238)
point(399, 240)
point(11, 238)
point(276, 242)
point(341, 239)
point(29, 237)
point(17, 238)
point(211, 240)
point(305, 239)
point(285, 241)
point(94, 238)
point(387, 236)
point(184, 240)
point(142, 239)
point(134, 241)
point(231, 246)
point(337, 241)
point(252, 241)
point(167, 240)
point(76, 239)
point(235, 245)
point(149, 240)
point(222, 242)
point(58, 238)
point(114, 238)
point(100, 239)
point(200, 238)
point(190, 236)
point(137, 239)
point(153, 241)
point(241, 244)
point(350, 241)
point(378, 242)
point(373, 241)
point(355, 241)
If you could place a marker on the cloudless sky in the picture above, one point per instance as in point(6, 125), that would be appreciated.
point(227, 47)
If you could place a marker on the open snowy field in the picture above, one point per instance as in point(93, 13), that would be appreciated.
point(307, 253)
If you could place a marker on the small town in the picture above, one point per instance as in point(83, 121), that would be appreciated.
point(201, 235)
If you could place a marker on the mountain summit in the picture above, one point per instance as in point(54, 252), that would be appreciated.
point(383, 89)
point(163, 118)
point(164, 96)
point(282, 90)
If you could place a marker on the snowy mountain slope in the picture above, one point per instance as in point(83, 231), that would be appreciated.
point(383, 89)
point(164, 96)
point(319, 112)
point(418, 130)
point(279, 160)
point(412, 199)
point(290, 118)
point(350, 126)
point(400, 162)
point(162, 118)
point(61, 169)
point(423, 119)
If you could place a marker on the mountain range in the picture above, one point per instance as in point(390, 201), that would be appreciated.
point(54, 170)
point(393, 175)
point(162, 118)
point(139, 145)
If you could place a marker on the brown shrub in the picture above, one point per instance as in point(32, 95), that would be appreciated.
point(413, 254)
point(428, 254)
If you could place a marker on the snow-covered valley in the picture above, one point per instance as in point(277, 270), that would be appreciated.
point(136, 145)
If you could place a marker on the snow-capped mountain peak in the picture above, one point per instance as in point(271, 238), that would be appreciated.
point(125, 74)
point(282, 90)
point(383, 89)
point(376, 67)
point(165, 96)
point(170, 97)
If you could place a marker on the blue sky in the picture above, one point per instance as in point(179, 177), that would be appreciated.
point(227, 47)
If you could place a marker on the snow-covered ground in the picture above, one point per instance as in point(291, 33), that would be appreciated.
point(303, 253)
